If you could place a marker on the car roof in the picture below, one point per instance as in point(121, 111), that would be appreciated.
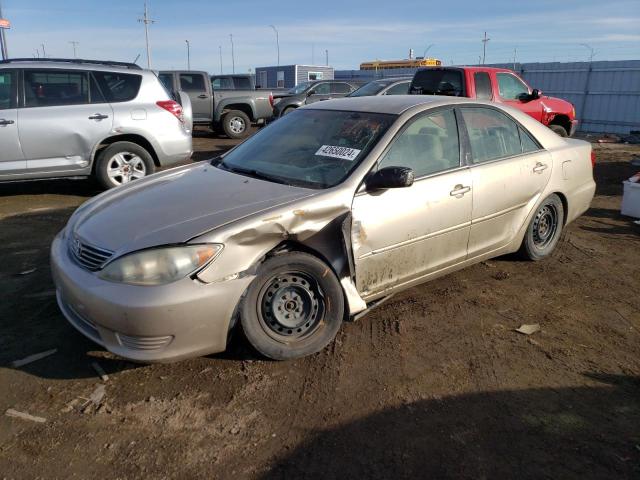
point(478, 68)
point(391, 104)
point(69, 65)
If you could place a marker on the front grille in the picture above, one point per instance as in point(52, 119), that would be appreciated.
point(144, 343)
point(90, 257)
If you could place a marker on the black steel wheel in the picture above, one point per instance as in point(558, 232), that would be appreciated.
point(293, 308)
point(544, 229)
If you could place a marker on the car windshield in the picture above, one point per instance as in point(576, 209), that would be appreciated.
point(437, 81)
point(309, 148)
point(301, 87)
point(369, 89)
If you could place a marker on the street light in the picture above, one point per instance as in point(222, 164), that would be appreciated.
point(591, 50)
point(277, 42)
point(233, 56)
point(75, 45)
point(424, 55)
point(188, 55)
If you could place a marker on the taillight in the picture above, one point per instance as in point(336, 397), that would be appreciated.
point(271, 99)
point(593, 159)
point(172, 107)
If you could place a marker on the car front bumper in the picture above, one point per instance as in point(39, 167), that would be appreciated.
point(162, 323)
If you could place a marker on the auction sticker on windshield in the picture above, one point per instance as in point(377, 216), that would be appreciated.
point(343, 153)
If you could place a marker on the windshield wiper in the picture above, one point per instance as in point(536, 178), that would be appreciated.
point(254, 173)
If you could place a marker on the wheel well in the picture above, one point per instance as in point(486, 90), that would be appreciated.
point(563, 121)
point(137, 139)
point(565, 206)
point(243, 107)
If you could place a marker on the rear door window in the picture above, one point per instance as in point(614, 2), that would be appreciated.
point(510, 87)
point(492, 134)
point(192, 82)
point(483, 86)
point(49, 88)
point(399, 89)
point(438, 81)
point(118, 87)
point(7, 90)
point(321, 89)
point(340, 88)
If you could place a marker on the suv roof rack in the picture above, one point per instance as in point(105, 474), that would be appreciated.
point(76, 61)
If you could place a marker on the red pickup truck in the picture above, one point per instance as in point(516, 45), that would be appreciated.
point(498, 85)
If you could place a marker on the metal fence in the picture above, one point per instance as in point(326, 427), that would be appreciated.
point(606, 94)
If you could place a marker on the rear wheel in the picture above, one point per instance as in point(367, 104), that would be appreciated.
point(544, 230)
point(293, 308)
point(559, 129)
point(288, 110)
point(121, 163)
point(236, 124)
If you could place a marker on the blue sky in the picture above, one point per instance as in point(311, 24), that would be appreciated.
point(352, 32)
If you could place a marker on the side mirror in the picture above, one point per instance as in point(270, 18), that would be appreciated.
point(390, 177)
point(535, 94)
point(310, 92)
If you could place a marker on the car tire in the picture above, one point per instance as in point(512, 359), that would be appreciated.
point(236, 124)
point(287, 111)
point(293, 308)
point(544, 230)
point(559, 129)
point(121, 163)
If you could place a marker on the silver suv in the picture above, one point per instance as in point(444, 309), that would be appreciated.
point(77, 118)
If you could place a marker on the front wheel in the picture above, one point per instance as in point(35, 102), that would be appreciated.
point(544, 230)
point(236, 124)
point(294, 307)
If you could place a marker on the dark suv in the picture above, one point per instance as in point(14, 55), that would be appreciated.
point(310, 92)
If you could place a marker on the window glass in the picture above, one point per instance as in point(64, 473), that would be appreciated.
point(399, 89)
point(118, 87)
point(47, 88)
point(340, 88)
point(280, 79)
point(368, 89)
point(242, 83)
point(483, 86)
point(492, 134)
point(437, 81)
point(94, 91)
point(428, 145)
point(7, 92)
point(167, 80)
point(315, 76)
point(510, 87)
point(321, 89)
point(222, 83)
point(309, 148)
point(192, 82)
point(528, 143)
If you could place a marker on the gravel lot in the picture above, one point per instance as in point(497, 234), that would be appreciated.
point(433, 384)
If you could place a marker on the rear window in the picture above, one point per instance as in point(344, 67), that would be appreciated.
point(7, 90)
point(118, 87)
point(222, 83)
point(438, 81)
point(242, 83)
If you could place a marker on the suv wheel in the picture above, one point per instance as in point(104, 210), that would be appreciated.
point(236, 124)
point(121, 163)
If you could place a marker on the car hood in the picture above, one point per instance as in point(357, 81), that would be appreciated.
point(175, 206)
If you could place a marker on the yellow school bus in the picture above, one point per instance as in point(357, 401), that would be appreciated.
point(388, 64)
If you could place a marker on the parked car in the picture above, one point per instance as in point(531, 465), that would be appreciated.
point(313, 220)
point(307, 93)
point(227, 110)
point(499, 85)
point(383, 86)
point(80, 118)
point(233, 82)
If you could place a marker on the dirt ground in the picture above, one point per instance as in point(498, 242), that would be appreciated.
point(433, 384)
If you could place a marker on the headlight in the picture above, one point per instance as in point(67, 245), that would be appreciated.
point(158, 266)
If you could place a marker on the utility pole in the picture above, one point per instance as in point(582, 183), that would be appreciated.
point(44, 53)
point(233, 55)
point(188, 55)
point(146, 20)
point(484, 47)
point(75, 44)
point(326, 57)
point(220, 50)
point(3, 41)
point(313, 54)
point(277, 42)
point(515, 51)
point(591, 50)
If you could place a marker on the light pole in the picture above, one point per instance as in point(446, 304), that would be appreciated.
point(3, 41)
point(220, 50)
point(75, 44)
point(44, 53)
point(426, 50)
point(484, 47)
point(591, 50)
point(146, 20)
point(188, 55)
point(233, 56)
point(277, 41)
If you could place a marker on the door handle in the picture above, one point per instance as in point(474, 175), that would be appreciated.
point(98, 116)
point(540, 167)
point(459, 190)
point(204, 95)
point(6, 122)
